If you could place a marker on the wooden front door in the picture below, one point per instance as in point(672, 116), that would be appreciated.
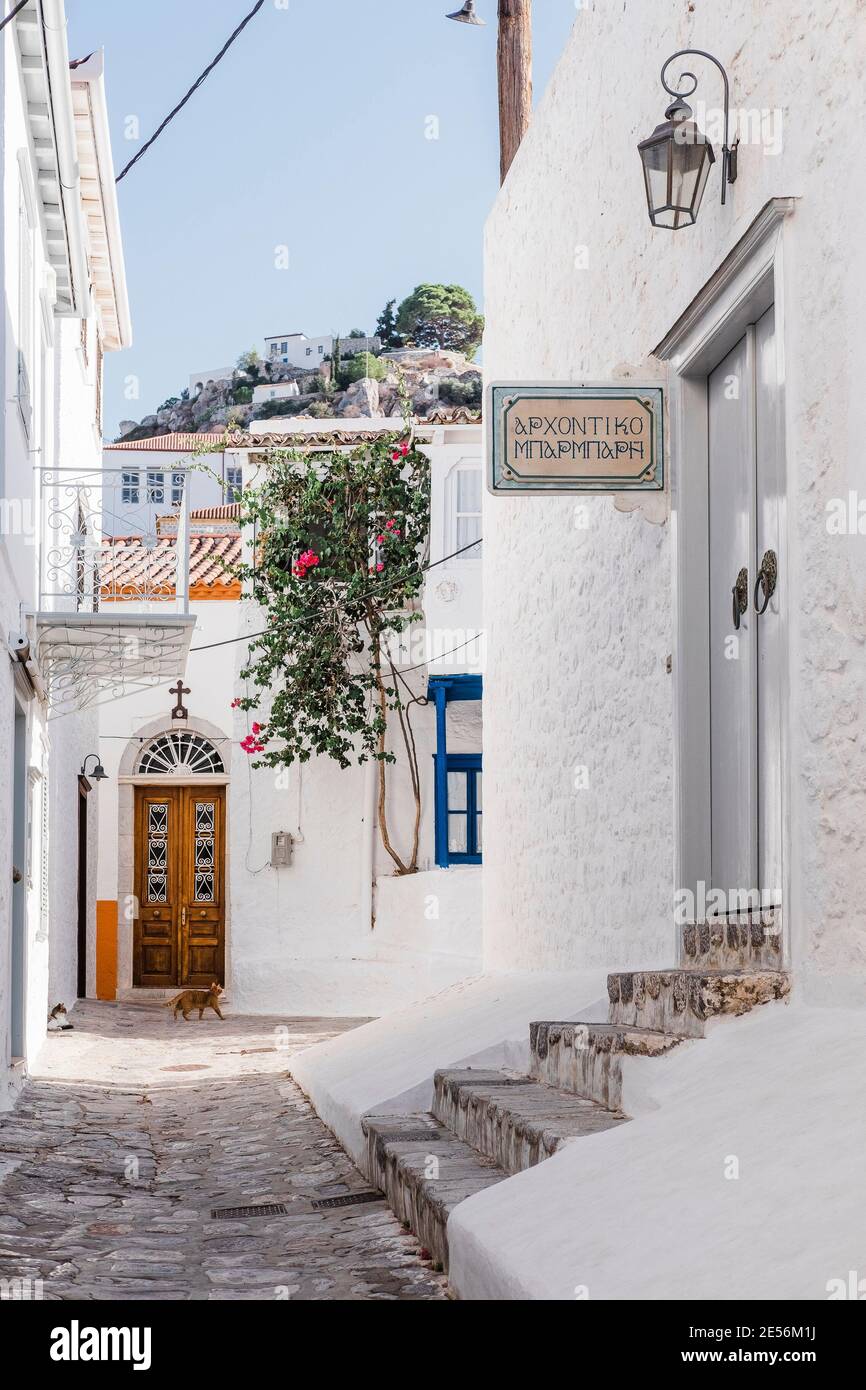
point(180, 885)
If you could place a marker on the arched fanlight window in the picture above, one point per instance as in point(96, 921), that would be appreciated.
point(179, 752)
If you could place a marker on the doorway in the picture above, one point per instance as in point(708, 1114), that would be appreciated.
point(20, 790)
point(746, 589)
point(725, 355)
point(83, 789)
point(179, 934)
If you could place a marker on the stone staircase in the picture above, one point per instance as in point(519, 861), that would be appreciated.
point(487, 1125)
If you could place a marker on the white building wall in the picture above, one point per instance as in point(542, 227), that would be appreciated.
point(61, 431)
point(205, 475)
point(306, 939)
point(201, 379)
point(580, 620)
point(300, 351)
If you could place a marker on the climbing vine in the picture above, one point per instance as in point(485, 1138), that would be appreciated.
point(335, 564)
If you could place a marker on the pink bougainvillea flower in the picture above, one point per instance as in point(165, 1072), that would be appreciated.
point(380, 567)
point(308, 560)
point(257, 728)
point(236, 704)
point(389, 525)
point(380, 540)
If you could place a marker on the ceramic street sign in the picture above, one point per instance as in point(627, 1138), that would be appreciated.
point(556, 438)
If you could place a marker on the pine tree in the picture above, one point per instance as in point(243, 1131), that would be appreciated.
point(386, 328)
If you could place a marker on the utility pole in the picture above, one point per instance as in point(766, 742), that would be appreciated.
point(514, 62)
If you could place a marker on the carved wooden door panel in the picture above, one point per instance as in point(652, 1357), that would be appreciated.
point(179, 936)
point(202, 876)
point(157, 886)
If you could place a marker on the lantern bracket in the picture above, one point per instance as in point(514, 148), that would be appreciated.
point(729, 151)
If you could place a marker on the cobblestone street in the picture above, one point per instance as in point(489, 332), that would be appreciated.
point(134, 1128)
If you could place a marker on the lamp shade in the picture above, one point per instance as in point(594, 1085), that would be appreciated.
point(676, 160)
point(466, 15)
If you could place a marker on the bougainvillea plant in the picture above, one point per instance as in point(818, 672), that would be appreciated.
point(335, 565)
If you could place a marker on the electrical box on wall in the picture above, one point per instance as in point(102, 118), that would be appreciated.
point(282, 844)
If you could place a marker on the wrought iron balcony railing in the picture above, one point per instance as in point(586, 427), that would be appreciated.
point(113, 536)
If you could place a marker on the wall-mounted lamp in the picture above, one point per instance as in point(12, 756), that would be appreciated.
point(98, 774)
point(467, 14)
point(677, 157)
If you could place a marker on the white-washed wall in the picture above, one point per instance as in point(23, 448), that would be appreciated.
point(579, 286)
point(62, 430)
point(299, 939)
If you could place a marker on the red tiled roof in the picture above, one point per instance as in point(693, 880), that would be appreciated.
point(128, 570)
point(203, 521)
point(242, 439)
point(171, 443)
point(229, 511)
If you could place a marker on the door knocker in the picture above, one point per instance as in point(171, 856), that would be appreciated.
point(740, 594)
point(766, 580)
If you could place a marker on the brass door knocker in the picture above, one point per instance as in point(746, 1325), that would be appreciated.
point(766, 580)
point(740, 594)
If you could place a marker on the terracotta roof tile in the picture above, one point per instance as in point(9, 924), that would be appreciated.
point(170, 443)
point(242, 439)
point(129, 569)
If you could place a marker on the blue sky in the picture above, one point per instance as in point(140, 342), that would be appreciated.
point(311, 134)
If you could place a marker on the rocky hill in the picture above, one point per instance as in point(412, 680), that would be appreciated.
point(430, 379)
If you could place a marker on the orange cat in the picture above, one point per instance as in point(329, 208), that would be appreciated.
point(200, 999)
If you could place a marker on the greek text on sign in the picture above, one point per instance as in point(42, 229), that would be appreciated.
point(575, 438)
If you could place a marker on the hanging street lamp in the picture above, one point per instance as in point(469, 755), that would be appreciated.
point(98, 774)
point(467, 14)
point(677, 157)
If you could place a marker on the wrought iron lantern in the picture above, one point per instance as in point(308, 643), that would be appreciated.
point(677, 157)
point(467, 14)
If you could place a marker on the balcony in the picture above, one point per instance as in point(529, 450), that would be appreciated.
point(113, 611)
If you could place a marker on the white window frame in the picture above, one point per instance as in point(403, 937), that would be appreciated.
point(130, 487)
point(452, 516)
point(25, 326)
point(234, 482)
point(154, 487)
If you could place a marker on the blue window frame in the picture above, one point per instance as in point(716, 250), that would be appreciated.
point(458, 779)
point(461, 828)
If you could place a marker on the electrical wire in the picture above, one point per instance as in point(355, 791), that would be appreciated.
point(376, 589)
point(193, 89)
point(97, 704)
point(11, 16)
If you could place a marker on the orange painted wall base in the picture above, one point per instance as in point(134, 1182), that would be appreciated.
point(106, 948)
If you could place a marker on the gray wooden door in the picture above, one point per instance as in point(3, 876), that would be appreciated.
point(745, 519)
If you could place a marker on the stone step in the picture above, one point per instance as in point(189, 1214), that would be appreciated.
point(745, 942)
point(587, 1058)
point(424, 1178)
point(683, 1001)
point(515, 1121)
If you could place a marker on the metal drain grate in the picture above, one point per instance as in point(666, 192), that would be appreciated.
point(237, 1213)
point(352, 1199)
